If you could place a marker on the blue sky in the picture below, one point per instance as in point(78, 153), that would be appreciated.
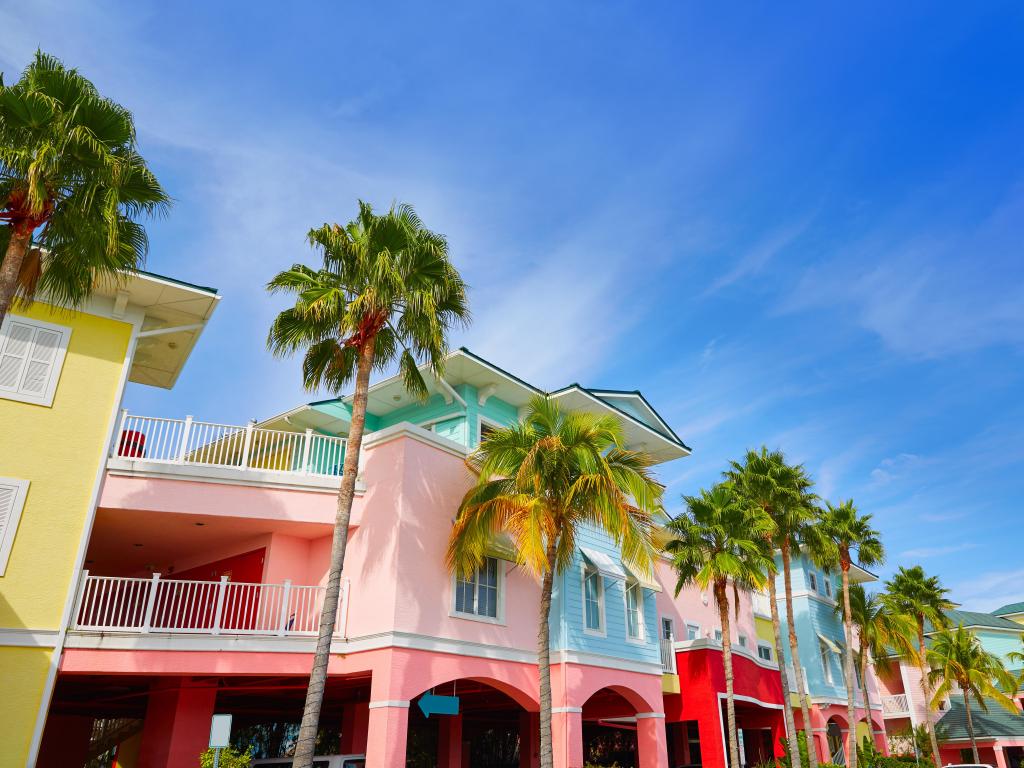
point(796, 225)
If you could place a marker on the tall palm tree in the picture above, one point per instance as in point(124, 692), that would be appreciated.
point(957, 659)
point(72, 184)
point(387, 291)
point(879, 632)
point(922, 598)
point(719, 541)
point(766, 482)
point(849, 534)
point(541, 481)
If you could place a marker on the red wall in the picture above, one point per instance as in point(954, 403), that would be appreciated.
point(246, 568)
point(702, 678)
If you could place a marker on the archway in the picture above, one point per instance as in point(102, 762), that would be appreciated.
point(491, 727)
point(836, 741)
point(610, 728)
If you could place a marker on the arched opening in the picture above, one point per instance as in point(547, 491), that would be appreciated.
point(610, 729)
point(469, 721)
point(836, 742)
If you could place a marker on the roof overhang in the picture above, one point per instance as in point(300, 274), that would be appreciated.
point(174, 315)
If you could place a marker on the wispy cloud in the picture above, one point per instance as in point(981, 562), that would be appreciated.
point(926, 552)
point(895, 468)
point(758, 256)
point(990, 589)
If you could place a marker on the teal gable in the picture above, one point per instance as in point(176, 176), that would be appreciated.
point(568, 628)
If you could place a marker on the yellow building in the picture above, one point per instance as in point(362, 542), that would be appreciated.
point(62, 378)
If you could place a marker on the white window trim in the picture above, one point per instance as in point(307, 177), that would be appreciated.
point(626, 586)
point(480, 421)
point(827, 582)
point(500, 617)
point(695, 628)
point(812, 581)
point(671, 628)
point(718, 636)
point(603, 631)
point(826, 662)
point(45, 399)
point(743, 640)
point(765, 646)
point(7, 538)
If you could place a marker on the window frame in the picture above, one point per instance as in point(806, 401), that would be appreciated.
point(826, 662)
point(743, 640)
point(812, 581)
point(696, 631)
point(765, 647)
point(56, 367)
point(499, 609)
point(586, 572)
point(668, 621)
point(19, 488)
point(481, 420)
point(636, 587)
point(827, 582)
point(718, 636)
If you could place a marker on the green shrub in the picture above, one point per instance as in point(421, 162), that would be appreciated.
point(786, 760)
point(229, 758)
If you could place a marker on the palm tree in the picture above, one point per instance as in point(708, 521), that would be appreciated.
point(387, 290)
point(541, 481)
point(879, 632)
point(956, 659)
point(720, 540)
point(766, 482)
point(923, 599)
point(849, 534)
point(72, 185)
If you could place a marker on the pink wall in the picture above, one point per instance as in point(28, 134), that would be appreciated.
point(690, 606)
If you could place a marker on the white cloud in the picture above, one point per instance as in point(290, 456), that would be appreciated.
point(990, 590)
point(922, 553)
point(757, 256)
point(895, 468)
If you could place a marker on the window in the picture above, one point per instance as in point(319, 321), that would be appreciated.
point(668, 630)
point(12, 501)
point(478, 595)
point(486, 428)
point(718, 635)
point(828, 586)
point(812, 581)
point(593, 599)
point(856, 672)
point(31, 356)
point(692, 631)
point(693, 742)
point(764, 651)
point(826, 661)
point(743, 641)
point(634, 611)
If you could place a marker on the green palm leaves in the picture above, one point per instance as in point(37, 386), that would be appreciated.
point(72, 184)
point(383, 278)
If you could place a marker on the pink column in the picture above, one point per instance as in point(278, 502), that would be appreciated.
point(355, 717)
point(567, 737)
point(387, 734)
point(449, 741)
point(177, 726)
point(65, 741)
point(1000, 757)
point(529, 740)
point(651, 746)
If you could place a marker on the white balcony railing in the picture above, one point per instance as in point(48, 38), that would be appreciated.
point(202, 443)
point(119, 604)
point(668, 656)
point(895, 705)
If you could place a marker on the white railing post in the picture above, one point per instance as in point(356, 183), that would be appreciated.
point(247, 444)
point(115, 449)
point(183, 447)
point(218, 611)
point(147, 618)
point(286, 590)
point(307, 445)
point(79, 597)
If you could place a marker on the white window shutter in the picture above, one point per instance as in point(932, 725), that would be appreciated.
point(12, 501)
point(31, 356)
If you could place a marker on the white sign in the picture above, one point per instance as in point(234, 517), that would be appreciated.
point(220, 732)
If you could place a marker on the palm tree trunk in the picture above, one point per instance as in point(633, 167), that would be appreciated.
point(328, 616)
point(544, 658)
point(722, 598)
point(864, 689)
point(780, 658)
point(10, 268)
point(926, 687)
point(798, 672)
point(970, 726)
point(851, 707)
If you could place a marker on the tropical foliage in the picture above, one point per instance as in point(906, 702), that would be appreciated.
point(72, 187)
point(541, 482)
point(956, 661)
point(385, 293)
point(719, 543)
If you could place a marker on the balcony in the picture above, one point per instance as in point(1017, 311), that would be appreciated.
point(152, 445)
point(668, 656)
point(116, 604)
point(897, 705)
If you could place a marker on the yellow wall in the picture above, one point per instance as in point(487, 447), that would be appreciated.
point(58, 449)
point(763, 628)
